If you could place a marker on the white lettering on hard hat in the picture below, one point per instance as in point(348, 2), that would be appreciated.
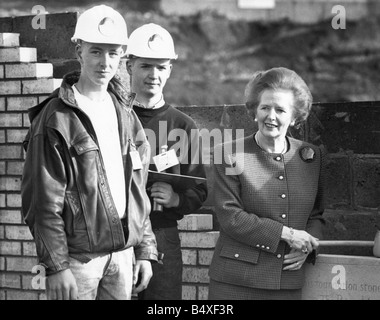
point(155, 42)
point(107, 27)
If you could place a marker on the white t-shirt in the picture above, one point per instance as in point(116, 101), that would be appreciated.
point(104, 120)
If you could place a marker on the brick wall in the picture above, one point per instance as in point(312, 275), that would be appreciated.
point(24, 83)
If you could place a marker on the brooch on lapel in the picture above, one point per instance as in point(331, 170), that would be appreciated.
point(307, 154)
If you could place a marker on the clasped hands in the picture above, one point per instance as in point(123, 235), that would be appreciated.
point(302, 244)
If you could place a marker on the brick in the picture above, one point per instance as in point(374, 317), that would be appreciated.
point(11, 152)
point(10, 216)
point(2, 200)
point(2, 136)
point(10, 87)
point(10, 120)
point(2, 71)
point(9, 39)
point(8, 280)
point(11, 248)
point(15, 167)
point(202, 293)
point(2, 263)
point(2, 232)
point(195, 222)
point(189, 292)
point(195, 275)
point(21, 103)
point(25, 121)
point(10, 184)
point(19, 54)
point(2, 168)
point(14, 200)
point(43, 85)
point(18, 233)
point(199, 239)
point(21, 264)
point(205, 257)
point(2, 104)
point(29, 249)
point(22, 295)
point(16, 136)
point(28, 70)
point(189, 257)
point(2, 295)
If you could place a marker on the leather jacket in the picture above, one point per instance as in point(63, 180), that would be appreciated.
point(66, 199)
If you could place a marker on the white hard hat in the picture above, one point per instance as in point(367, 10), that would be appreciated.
point(151, 41)
point(101, 24)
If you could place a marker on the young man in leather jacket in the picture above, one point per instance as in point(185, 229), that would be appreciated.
point(83, 188)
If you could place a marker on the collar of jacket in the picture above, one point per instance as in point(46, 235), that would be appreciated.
point(66, 93)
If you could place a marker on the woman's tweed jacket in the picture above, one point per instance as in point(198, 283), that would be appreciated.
point(267, 192)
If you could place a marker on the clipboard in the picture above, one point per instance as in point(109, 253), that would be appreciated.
point(177, 181)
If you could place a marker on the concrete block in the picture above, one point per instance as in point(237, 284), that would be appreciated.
point(29, 249)
point(1, 71)
point(338, 277)
point(8, 280)
point(22, 295)
point(10, 120)
point(10, 248)
point(199, 239)
point(14, 201)
point(17, 233)
point(203, 293)
point(10, 87)
point(196, 222)
point(10, 216)
point(22, 264)
point(189, 257)
point(2, 200)
point(16, 136)
point(15, 168)
point(10, 152)
point(28, 70)
point(9, 39)
point(2, 136)
point(205, 257)
point(19, 54)
point(21, 103)
point(10, 184)
point(189, 292)
point(195, 275)
point(43, 85)
point(2, 104)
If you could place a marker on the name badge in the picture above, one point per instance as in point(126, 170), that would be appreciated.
point(165, 160)
point(136, 160)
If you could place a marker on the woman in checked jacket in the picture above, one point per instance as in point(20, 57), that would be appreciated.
point(270, 206)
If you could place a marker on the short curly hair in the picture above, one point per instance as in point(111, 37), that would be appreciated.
point(279, 78)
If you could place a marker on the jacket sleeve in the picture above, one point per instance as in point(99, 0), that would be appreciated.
point(316, 221)
point(235, 221)
point(147, 248)
point(42, 193)
point(193, 198)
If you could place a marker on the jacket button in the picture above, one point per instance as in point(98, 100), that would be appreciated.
point(281, 177)
point(258, 246)
point(268, 248)
point(279, 256)
point(283, 196)
point(278, 158)
point(236, 255)
point(263, 246)
point(283, 216)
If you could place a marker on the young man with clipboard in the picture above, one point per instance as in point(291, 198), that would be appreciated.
point(150, 53)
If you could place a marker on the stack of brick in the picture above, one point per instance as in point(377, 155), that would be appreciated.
point(23, 84)
point(198, 244)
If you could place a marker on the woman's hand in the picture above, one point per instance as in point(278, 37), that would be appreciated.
point(299, 239)
point(294, 260)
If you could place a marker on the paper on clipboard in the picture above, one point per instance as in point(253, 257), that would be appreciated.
point(165, 160)
point(177, 181)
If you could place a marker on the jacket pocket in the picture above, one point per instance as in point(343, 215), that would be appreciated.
point(76, 210)
point(240, 253)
